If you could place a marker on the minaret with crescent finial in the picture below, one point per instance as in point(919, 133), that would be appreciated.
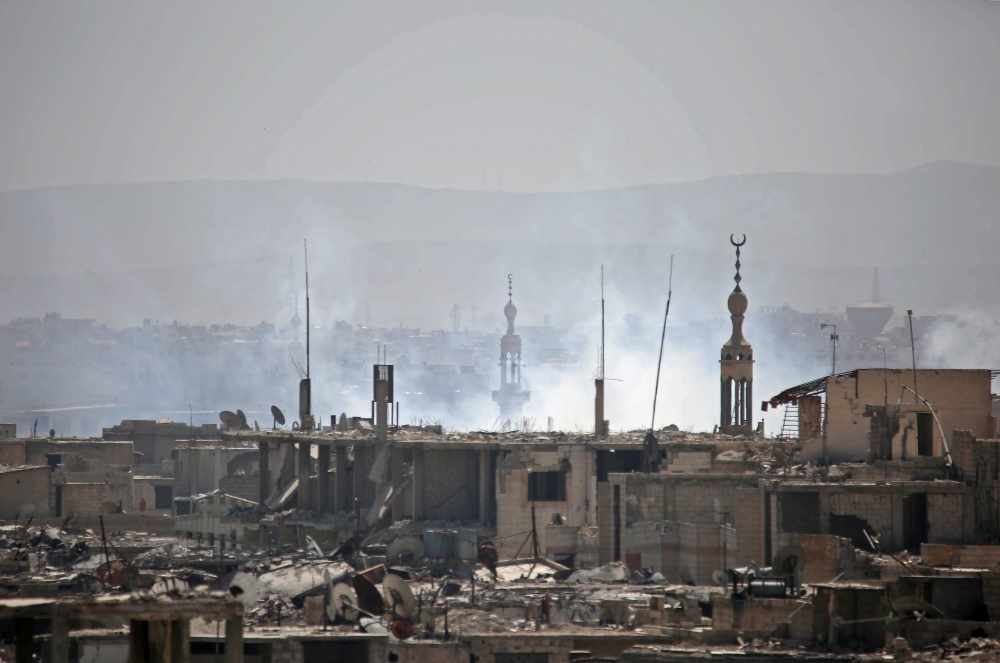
point(510, 396)
point(736, 363)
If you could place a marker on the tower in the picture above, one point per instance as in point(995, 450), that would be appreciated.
point(510, 396)
point(869, 319)
point(736, 363)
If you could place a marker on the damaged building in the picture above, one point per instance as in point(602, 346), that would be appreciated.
point(868, 530)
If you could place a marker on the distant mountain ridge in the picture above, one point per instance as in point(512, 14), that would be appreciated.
point(932, 227)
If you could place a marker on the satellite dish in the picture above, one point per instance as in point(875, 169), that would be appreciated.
point(428, 620)
point(279, 416)
point(373, 626)
point(242, 417)
point(404, 551)
point(328, 595)
point(719, 578)
point(911, 606)
point(398, 596)
point(790, 561)
point(402, 629)
point(343, 603)
point(229, 420)
point(369, 598)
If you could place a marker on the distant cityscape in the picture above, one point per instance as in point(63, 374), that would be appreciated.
point(77, 376)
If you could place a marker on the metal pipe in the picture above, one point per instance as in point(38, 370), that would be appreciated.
point(944, 440)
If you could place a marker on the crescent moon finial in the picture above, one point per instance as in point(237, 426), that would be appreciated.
point(732, 240)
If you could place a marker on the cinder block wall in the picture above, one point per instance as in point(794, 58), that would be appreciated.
point(25, 492)
point(979, 557)
point(702, 551)
point(644, 540)
point(671, 552)
point(875, 507)
point(86, 498)
point(11, 452)
point(513, 508)
point(750, 526)
point(944, 518)
point(246, 486)
point(451, 487)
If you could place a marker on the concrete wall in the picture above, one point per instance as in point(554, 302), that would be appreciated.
point(210, 519)
point(12, 452)
point(198, 469)
point(950, 510)
point(87, 499)
point(704, 549)
point(98, 451)
point(156, 440)
point(645, 540)
point(827, 557)
point(513, 507)
point(246, 486)
point(978, 463)
point(86, 493)
point(451, 485)
point(144, 488)
point(25, 492)
point(750, 533)
point(682, 497)
point(761, 615)
point(978, 557)
point(687, 462)
point(961, 400)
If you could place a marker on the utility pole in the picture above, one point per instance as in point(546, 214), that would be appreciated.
point(913, 354)
point(305, 250)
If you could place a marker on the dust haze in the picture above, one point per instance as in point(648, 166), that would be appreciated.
point(425, 155)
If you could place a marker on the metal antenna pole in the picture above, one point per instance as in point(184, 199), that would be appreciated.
point(602, 322)
point(656, 389)
point(305, 249)
point(913, 353)
point(885, 419)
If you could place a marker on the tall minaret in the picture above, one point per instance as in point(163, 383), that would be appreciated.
point(509, 396)
point(737, 364)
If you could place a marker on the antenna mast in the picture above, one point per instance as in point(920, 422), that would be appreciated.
point(305, 249)
point(656, 389)
point(602, 324)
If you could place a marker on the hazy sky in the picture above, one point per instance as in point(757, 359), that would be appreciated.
point(519, 96)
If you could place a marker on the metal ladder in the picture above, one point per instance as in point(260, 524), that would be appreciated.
point(790, 423)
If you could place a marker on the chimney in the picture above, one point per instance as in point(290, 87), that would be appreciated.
point(306, 421)
point(382, 396)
